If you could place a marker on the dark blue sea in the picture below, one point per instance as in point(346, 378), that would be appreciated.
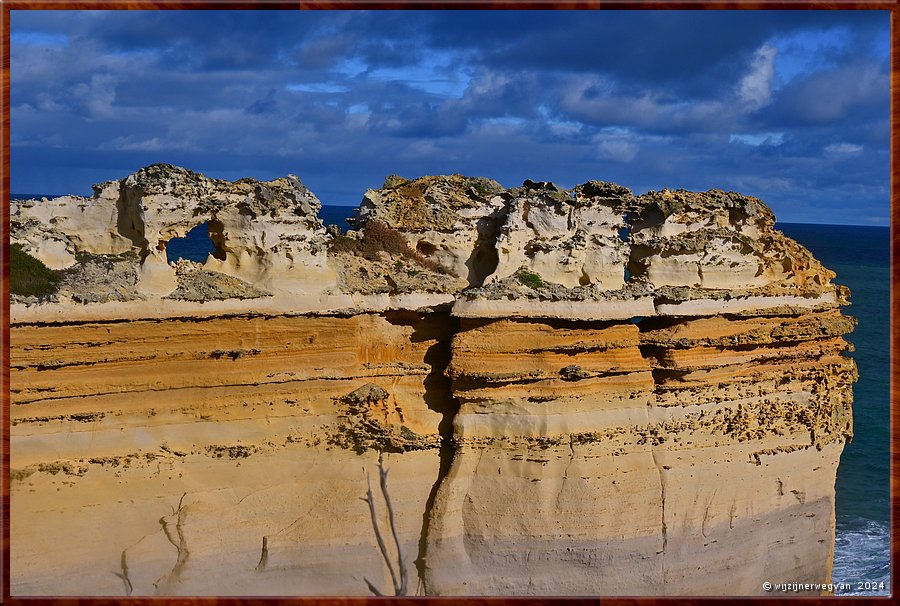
point(861, 258)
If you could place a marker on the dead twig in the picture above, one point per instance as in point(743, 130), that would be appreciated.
point(124, 574)
point(400, 585)
point(181, 558)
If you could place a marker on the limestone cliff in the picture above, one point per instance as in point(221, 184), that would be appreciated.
point(574, 392)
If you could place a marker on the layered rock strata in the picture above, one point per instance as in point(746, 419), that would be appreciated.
point(643, 454)
point(267, 426)
point(574, 392)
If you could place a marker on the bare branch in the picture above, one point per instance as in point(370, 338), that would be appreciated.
point(264, 555)
point(181, 547)
point(382, 473)
point(400, 588)
point(124, 574)
point(370, 499)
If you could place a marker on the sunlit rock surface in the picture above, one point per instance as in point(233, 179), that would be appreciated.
point(264, 232)
point(574, 392)
point(453, 219)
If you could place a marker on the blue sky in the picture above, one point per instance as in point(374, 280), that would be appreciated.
point(788, 106)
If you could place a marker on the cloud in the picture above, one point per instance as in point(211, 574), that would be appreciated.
point(325, 51)
point(96, 97)
point(130, 143)
point(755, 89)
point(758, 139)
point(843, 148)
point(853, 91)
point(616, 148)
point(743, 100)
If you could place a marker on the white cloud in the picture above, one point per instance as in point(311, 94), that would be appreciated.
point(843, 148)
point(758, 139)
point(98, 96)
point(616, 147)
point(132, 143)
point(316, 87)
point(755, 89)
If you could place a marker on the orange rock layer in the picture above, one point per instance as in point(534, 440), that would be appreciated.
point(230, 455)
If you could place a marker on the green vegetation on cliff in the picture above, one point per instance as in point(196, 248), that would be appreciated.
point(29, 277)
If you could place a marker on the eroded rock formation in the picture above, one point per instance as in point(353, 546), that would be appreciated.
point(575, 392)
point(264, 232)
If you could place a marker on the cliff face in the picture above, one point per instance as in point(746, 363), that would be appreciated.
point(675, 455)
point(575, 392)
point(266, 425)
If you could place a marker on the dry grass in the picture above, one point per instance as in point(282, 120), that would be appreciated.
point(378, 237)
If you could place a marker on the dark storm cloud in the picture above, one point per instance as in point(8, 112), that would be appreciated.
point(791, 106)
point(688, 51)
point(852, 91)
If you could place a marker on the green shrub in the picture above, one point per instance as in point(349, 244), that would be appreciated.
point(479, 187)
point(29, 277)
point(530, 279)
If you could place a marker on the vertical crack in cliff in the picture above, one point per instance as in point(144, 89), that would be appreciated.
point(439, 397)
point(662, 500)
point(566, 471)
point(446, 453)
point(648, 356)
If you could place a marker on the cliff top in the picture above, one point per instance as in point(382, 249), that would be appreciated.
point(593, 251)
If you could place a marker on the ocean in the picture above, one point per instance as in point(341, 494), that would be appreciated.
point(861, 258)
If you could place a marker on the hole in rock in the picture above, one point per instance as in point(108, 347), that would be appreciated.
point(426, 248)
point(196, 244)
point(625, 230)
point(484, 259)
point(625, 236)
point(341, 216)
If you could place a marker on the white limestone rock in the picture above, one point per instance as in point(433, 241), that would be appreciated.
point(450, 219)
point(265, 233)
point(570, 238)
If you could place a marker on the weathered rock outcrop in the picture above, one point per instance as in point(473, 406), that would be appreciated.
point(267, 233)
point(571, 238)
point(575, 391)
point(453, 220)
